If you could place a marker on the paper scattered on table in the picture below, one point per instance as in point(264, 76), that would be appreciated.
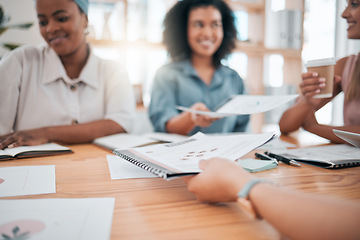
point(277, 144)
point(245, 104)
point(44, 219)
point(121, 169)
point(122, 141)
point(27, 180)
point(350, 137)
point(184, 156)
point(165, 137)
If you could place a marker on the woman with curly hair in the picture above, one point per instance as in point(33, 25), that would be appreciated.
point(198, 34)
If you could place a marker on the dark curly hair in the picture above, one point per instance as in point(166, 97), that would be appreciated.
point(175, 29)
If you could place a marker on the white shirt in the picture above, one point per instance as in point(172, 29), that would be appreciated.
point(35, 91)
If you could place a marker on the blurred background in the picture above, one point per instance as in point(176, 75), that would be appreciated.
point(275, 39)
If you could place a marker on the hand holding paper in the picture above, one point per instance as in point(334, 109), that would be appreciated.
point(244, 104)
point(201, 120)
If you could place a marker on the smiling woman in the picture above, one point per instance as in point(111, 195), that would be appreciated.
point(63, 26)
point(198, 34)
point(347, 80)
point(61, 91)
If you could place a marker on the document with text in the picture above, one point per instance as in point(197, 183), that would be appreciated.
point(182, 158)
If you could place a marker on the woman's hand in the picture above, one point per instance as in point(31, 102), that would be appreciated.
point(220, 180)
point(24, 138)
point(201, 120)
point(312, 84)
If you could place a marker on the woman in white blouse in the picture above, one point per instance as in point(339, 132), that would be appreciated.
point(61, 91)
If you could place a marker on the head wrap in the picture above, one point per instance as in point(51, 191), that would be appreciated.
point(83, 5)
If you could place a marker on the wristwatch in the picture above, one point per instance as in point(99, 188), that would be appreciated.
point(243, 198)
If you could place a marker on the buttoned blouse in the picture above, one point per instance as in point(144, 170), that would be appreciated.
point(351, 108)
point(36, 91)
point(178, 84)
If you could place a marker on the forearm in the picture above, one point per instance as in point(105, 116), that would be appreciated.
point(303, 216)
point(82, 133)
point(293, 118)
point(180, 124)
point(326, 131)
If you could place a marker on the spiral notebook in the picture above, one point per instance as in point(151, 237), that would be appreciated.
point(329, 156)
point(181, 158)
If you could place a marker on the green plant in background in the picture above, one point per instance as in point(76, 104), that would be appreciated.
point(4, 26)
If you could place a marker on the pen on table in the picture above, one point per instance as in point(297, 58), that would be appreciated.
point(266, 157)
point(283, 159)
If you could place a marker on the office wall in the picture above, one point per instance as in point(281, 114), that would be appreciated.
point(20, 11)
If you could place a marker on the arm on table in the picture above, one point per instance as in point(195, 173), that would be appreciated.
point(326, 131)
point(293, 118)
point(71, 134)
point(294, 214)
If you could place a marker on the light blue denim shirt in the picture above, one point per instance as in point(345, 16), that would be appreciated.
point(178, 84)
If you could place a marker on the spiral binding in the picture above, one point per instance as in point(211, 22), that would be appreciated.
point(345, 165)
point(143, 165)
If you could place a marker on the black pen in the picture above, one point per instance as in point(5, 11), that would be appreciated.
point(283, 159)
point(265, 157)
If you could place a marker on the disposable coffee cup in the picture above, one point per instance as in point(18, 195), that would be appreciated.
point(325, 69)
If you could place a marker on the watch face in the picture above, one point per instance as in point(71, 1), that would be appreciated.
point(248, 208)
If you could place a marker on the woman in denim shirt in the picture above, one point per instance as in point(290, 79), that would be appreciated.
point(197, 34)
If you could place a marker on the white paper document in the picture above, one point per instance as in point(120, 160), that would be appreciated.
point(120, 169)
point(277, 144)
point(126, 140)
point(184, 156)
point(245, 104)
point(56, 219)
point(328, 156)
point(165, 137)
point(27, 180)
point(324, 153)
point(122, 141)
point(350, 137)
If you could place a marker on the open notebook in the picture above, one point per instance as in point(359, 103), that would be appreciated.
point(33, 151)
point(181, 158)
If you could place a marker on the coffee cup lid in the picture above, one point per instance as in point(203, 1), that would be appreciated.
point(320, 62)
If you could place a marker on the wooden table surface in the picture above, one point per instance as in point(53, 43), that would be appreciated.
point(158, 209)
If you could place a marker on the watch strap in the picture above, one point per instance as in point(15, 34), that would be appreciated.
point(244, 192)
point(244, 201)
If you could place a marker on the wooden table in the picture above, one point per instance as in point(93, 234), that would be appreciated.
point(158, 209)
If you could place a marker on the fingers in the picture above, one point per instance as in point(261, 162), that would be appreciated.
point(204, 164)
point(311, 84)
point(309, 75)
point(9, 141)
point(201, 120)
